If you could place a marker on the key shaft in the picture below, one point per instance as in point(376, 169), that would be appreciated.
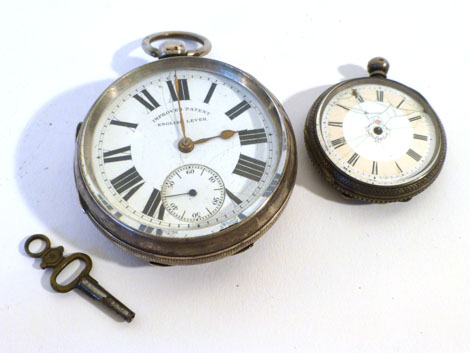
point(91, 287)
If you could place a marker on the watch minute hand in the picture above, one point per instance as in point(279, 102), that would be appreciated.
point(177, 89)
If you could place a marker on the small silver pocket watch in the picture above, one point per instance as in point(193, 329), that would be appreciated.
point(375, 139)
point(186, 159)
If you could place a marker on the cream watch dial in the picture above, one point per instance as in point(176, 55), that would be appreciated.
point(377, 134)
point(137, 169)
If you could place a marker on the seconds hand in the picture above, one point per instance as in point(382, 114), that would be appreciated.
point(191, 192)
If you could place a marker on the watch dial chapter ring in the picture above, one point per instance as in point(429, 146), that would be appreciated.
point(348, 185)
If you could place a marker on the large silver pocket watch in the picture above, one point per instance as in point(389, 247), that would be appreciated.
point(184, 160)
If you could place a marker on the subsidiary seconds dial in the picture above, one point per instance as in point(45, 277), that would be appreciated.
point(193, 193)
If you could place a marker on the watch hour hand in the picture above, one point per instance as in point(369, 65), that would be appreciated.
point(354, 109)
point(226, 134)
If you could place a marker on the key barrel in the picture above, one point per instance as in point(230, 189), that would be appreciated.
point(91, 287)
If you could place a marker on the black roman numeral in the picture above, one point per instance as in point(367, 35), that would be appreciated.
point(375, 168)
point(233, 197)
point(380, 95)
point(415, 118)
point(420, 137)
point(152, 204)
point(161, 212)
point(413, 155)
point(338, 142)
point(124, 155)
point(251, 137)
point(147, 100)
point(353, 160)
point(183, 90)
point(249, 168)
point(398, 106)
point(126, 180)
point(132, 191)
point(335, 123)
point(210, 93)
point(123, 123)
point(238, 109)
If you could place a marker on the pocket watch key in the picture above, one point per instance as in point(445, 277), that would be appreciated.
point(54, 257)
point(375, 139)
point(184, 160)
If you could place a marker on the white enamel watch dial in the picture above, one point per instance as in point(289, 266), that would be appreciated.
point(136, 149)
